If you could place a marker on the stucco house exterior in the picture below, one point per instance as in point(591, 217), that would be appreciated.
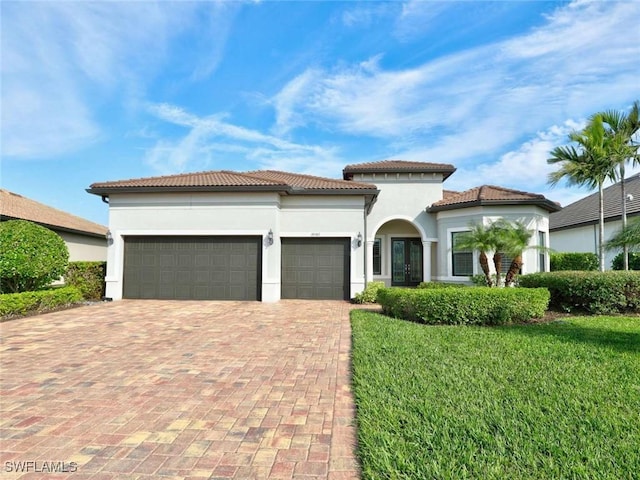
point(85, 240)
point(575, 227)
point(269, 235)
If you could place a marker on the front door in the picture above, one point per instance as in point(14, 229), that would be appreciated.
point(406, 262)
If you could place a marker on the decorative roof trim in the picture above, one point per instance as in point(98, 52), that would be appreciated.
point(545, 203)
point(398, 166)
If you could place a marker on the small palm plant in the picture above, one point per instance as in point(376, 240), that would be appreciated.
point(480, 237)
point(518, 238)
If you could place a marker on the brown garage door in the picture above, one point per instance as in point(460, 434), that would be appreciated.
point(192, 268)
point(315, 268)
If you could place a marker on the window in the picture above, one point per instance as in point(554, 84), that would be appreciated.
point(542, 257)
point(505, 264)
point(377, 258)
point(461, 260)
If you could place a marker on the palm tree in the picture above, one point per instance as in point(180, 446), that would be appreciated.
point(501, 230)
point(622, 129)
point(519, 237)
point(481, 238)
point(587, 163)
point(627, 237)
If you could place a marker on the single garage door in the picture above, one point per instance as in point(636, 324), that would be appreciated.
point(315, 268)
point(192, 268)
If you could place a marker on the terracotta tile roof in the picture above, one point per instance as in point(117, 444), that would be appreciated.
point(491, 195)
point(398, 166)
point(14, 206)
point(219, 178)
point(446, 194)
point(297, 180)
point(585, 211)
point(222, 180)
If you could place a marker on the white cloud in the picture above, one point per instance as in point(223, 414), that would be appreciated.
point(525, 168)
point(481, 100)
point(61, 61)
point(284, 102)
point(209, 139)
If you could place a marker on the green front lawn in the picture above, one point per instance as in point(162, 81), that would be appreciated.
point(538, 401)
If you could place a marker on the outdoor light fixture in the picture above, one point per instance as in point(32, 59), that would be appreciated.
point(359, 239)
point(270, 237)
point(109, 237)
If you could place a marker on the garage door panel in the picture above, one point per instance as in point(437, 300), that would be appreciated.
point(192, 268)
point(315, 268)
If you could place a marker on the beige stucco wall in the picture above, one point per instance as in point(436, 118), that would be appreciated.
point(585, 239)
point(236, 214)
point(449, 221)
point(84, 248)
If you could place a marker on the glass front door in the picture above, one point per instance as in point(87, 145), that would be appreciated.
point(406, 262)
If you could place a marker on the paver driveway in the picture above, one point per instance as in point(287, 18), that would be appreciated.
point(161, 389)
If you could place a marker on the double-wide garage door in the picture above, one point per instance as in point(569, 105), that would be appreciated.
point(192, 268)
point(229, 268)
point(316, 268)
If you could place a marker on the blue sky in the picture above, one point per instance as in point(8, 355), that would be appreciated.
point(96, 91)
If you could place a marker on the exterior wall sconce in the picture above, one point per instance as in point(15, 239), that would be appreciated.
point(109, 237)
point(270, 237)
point(359, 239)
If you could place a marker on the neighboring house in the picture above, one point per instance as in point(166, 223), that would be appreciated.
point(267, 235)
point(85, 240)
point(575, 227)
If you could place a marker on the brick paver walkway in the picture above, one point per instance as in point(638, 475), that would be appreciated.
point(193, 390)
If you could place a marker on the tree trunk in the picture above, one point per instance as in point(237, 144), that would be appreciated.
point(497, 262)
point(484, 264)
point(623, 190)
point(514, 269)
point(601, 228)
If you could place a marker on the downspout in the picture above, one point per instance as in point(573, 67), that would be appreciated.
point(366, 237)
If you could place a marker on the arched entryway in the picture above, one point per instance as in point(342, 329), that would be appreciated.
point(398, 254)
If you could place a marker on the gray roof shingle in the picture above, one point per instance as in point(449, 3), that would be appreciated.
point(585, 211)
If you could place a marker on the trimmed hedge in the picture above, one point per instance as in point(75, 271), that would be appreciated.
point(88, 277)
point(440, 285)
point(31, 256)
point(38, 301)
point(573, 261)
point(465, 306)
point(634, 261)
point(592, 292)
point(370, 293)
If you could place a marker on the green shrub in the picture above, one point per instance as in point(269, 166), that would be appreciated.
point(437, 285)
point(573, 261)
point(479, 280)
point(369, 294)
point(465, 306)
point(592, 292)
point(634, 261)
point(39, 301)
point(88, 277)
point(31, 256)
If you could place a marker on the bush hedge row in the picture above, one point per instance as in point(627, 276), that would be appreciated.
point(440, 285)
point(370, 293)
point(465, 306)
point(38, 301)
point(573, 261)
point(88, 277)
point(591, 292)
point(634, 261)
